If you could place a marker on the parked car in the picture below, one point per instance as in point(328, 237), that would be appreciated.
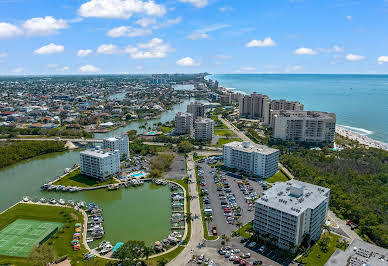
point(252, 245)
point(261, 249)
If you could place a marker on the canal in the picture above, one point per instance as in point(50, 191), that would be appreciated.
point(130, 214)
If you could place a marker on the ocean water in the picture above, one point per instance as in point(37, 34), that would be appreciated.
point(359, 101)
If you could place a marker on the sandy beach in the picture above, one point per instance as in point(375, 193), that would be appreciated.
point(361, 138)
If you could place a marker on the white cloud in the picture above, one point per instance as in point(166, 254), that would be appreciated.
point(349, 18)
point(120, 8)
point(305, 51)
point(248, 68)
point(2, 55)
point(58, 67)
point(85, 52)
point(50, 49)
point(89, 69)
point(155, 48)
point(18, 70)
point(198, 36)
point(44, 26)
point(226, 9)
point(8, 30)
point(334, 49)
point(382, 59)
point(290, 69)
point(267, 42)
point(354, 57)
point(139, 68)
point(145, 22)
point(196, 3)
point(108, 49)
point(187, 61)
point(128, 31)
point(168, 23)
point(203, 32)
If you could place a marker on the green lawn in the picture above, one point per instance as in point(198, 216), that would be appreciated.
point(224, 132)
point(278, 177)
point(166, 129)
point(76, 179)
point(315, 256)
point(243, 231)
point(60, 241)
point(218, 124)
point(223, 141)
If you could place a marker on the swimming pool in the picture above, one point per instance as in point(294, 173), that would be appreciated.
point(140, 174)
point(151, 133)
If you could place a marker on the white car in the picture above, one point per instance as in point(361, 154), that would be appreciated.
point(236, 251)
point(227, 255)
point(262, 248)
point(246, 255)
point(222, 252)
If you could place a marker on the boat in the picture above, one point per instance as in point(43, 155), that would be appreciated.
point(102, 244)
point(59, 188)
point(53, 201)
point(73, 189)
point(71, 202)
point(42, 200)
point(81, 204)
point(89, 239)
point(26, 199)
point(113, 187)
point(106, 248)
point(61, 201)
point(45, 186)
point(65, 189)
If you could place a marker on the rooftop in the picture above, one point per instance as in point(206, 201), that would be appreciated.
point(294, 196)
point(359, 253)
point(97, 153)
point(251, 147)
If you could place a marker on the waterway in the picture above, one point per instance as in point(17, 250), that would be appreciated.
point(135, 213)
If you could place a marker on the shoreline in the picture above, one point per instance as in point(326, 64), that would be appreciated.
point(340, 130)
point(362, 139)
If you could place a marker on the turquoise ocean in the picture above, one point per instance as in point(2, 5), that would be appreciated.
point(359, 101)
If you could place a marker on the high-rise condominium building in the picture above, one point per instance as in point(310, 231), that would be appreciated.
point(304, 126)
point(183, 123)
point(120, 143)
point(257, 159)
point(203, 129)
point(289, 211)
point(277, 105)
point(99, 163)
point(254, 106)
point(197, 109)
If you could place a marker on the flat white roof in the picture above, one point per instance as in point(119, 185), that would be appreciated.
point(97, 153)
point(250, 147)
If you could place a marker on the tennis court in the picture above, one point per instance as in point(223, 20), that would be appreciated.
point(20, 237)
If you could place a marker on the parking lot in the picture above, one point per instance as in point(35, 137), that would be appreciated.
point(177, 169)
point(234, 194)
point(225, 190)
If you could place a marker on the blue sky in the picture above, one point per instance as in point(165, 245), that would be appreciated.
point(183, 36)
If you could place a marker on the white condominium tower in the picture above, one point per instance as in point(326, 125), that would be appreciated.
point(197, 109)
point(254, 106)
point(304, 126)
point(99, 163)
point(120, 143)
point(257, 159)
point(203, 129)
point(183, 123)
point(290, 211)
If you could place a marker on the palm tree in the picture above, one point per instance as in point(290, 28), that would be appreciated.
point(208, 219)
point(189, 217)
point(326, 227)
point(239, 224)
point(147, 252)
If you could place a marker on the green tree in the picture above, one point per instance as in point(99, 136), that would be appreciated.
point(42, 255)
point(131, 252)
point(185, 147)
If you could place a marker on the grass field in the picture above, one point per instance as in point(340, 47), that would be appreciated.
point(20, 237)
point(166, 129)
point(218, 124)
point(222, 141)
point(76, 179)
point(315, 256)
point(278, 177)
point(223, 132)
point(60, 241)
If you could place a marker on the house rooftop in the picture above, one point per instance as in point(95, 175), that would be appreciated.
point(251, 147)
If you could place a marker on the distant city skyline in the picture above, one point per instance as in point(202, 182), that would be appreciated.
point(50, 37)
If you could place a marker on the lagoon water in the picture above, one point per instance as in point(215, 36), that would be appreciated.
point(141, 213)
point(360, 101)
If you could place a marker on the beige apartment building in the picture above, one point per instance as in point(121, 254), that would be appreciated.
point(183, 123)
point(304, 126)
point(204, 129)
